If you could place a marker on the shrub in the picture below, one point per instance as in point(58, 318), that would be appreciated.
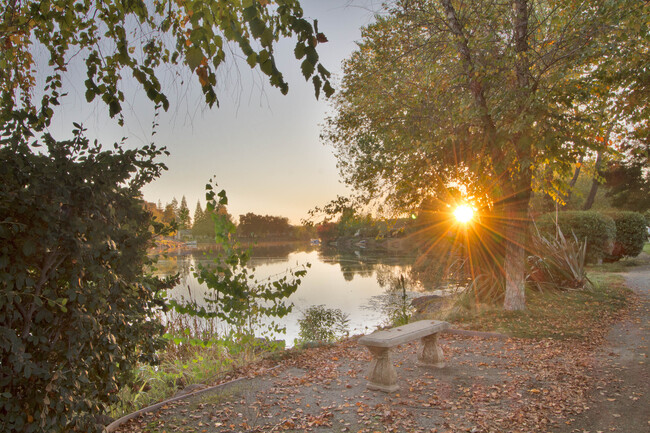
point(631, 234)
point(558, 262)
point(599, 230)
point(322, 325)
point(76, 312)
point(233, 294)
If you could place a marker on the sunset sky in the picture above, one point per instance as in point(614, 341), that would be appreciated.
point(263, 147)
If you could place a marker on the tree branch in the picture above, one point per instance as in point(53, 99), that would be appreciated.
point(475, 84)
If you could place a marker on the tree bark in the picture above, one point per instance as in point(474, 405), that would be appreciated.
point(594, 185)
point(516, 231)
point(515, 270)
point(573, 181)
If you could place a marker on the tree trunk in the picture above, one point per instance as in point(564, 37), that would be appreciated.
point(516, 231)
point(594, 185)
point(517, 221)
point(573, 181)
point(515, 260)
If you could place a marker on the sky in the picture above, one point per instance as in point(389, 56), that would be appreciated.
point(262, 146)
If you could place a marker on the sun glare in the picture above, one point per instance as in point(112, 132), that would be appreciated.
point(464, 213)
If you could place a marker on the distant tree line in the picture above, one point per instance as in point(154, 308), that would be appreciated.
point(172, 212)
point(255, 226)
point(250, 225)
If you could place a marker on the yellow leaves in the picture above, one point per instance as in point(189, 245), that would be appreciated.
point(16, 38)
point(264, 2)
point(202, 73)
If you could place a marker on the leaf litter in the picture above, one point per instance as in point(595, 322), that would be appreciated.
point(488, 385)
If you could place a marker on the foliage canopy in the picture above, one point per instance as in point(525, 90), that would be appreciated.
point(135, 37)
point(496, 97)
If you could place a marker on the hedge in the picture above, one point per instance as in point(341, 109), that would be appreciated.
point(630, 234)
point(597, 228)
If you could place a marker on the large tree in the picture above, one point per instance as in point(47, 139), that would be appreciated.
point(484, 94)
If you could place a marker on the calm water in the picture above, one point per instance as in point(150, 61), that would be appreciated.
point(356, 282)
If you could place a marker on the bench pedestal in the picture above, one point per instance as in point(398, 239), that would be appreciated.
point(382, 375)
point(430, 353)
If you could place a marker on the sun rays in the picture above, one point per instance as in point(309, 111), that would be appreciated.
point(464, 213)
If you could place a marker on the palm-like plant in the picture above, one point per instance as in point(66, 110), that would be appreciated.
point(558, 263)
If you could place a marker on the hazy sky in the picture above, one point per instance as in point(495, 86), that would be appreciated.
point(263, 147)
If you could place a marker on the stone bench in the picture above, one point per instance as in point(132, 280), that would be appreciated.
point(382, 375)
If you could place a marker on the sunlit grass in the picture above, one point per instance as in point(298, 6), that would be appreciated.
point(552, 314)
point(193, 355)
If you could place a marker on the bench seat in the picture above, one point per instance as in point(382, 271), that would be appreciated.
point(382, 375)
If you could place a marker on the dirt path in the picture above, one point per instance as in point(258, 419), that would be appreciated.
point(489, 385)
point(621, 402)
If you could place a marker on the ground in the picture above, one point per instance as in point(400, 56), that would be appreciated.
point(621, 400)
point(488, 385)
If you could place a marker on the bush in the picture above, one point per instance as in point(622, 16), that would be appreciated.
point(631, 234)
point(76, 312)
point(322, 325)
point(558, 262)
point(599, 230)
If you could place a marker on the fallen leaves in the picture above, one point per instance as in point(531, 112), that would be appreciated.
point(489, 386)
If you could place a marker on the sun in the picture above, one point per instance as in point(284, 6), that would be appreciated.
point(463, 213)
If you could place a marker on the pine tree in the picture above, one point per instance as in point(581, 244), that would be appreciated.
point(174, 206)
point(198, 212)
point(183, 215)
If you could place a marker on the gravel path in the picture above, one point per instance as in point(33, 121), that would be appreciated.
point(621, 402)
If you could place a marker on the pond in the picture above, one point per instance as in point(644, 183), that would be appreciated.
point(358, 283)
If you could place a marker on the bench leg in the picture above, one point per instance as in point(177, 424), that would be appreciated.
point(430, 354)
point(382, 375)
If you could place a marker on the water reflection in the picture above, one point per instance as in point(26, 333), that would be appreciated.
point(351, 281)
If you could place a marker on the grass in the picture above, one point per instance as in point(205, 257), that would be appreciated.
point(192, 356)
point(559, 315)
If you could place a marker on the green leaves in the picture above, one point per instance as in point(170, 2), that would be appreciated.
point(307, 68)
point(197, 31)
point(78, 310)
point(194, 57)
point(235, 296)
